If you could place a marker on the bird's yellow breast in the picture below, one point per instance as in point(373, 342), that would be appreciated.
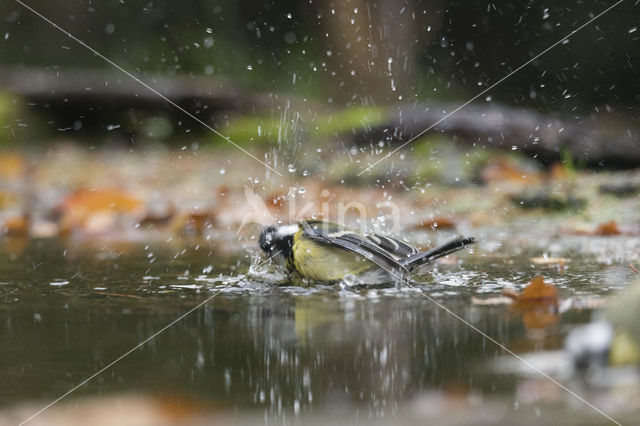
point(324, 263)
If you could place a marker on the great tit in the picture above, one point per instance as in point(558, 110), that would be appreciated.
point(324, 251)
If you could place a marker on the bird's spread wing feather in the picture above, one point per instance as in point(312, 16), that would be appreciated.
point(392, 245)
point(350, 241)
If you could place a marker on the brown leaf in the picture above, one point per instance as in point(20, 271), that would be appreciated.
point(113, 200)
point(95, 210)
point(607, 228)
point(502, 169)
point(17, 226)
point(436, 223)
point(538, 304)
point(539, 292)
point(558, 171)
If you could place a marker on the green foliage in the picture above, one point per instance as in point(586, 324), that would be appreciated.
point(349, 119)
point(265, 129)
point(568, 163)
point(7, 118)
point(246, 130)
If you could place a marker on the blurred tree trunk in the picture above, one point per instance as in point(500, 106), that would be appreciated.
point(370, 47)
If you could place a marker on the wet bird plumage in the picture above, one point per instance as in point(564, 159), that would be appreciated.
point(325, 251)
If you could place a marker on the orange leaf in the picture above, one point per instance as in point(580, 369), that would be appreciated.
point(95, 211)
point(607, 228)
point(538, 304)
point(502, 169)
point(99, 200)
point(17, 226)
point(539, 292)
point(558, 171)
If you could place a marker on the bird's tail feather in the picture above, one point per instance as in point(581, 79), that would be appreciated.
point(419, 259)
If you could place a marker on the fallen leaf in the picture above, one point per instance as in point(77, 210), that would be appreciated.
point(607, 228)
point(95, 211)
point(558, 171)
point(539, 292)
point(538, 304)
point(17, 226)
point(100, 200)
point(503, 169)
point(436, 223)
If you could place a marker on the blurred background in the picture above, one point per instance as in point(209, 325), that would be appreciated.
point(339, 54)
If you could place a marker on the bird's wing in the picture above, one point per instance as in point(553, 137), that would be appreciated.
point(350, 241)
point(417, 260)
point(392, 245)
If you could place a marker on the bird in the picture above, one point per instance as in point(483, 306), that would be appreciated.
point(324, 251)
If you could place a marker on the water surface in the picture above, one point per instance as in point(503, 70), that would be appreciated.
point(269, 351)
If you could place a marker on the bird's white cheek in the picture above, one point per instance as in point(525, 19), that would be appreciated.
point(284, 231)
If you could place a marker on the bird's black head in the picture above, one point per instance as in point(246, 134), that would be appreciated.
point(267, 237)
point(274, 240)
